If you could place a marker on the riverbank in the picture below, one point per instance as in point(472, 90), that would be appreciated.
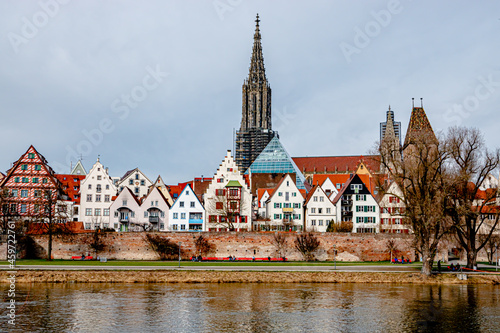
point(108, 276)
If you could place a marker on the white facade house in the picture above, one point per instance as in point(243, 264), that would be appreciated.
point(392, 209)
point(96, 191)
point(155, 210)
point(262, 196)
point(355, 203)
point(319, 210)
point(330, 188)
point(187, 213)
point(285, 206)
point(126, 212)
point(228, 201)
point(136, 181)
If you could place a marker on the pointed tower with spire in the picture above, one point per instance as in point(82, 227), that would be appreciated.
point(419, 126)
point(396, 125)
point(390, 143)
point(256, 124)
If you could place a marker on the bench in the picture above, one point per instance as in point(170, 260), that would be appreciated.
point(80, 258)
point(237, 259)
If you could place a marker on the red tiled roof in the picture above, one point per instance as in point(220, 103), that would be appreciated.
point(262, 191)
point(69, 182)
point(344, 164)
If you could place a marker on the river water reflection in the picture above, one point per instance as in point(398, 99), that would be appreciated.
point(256, 308)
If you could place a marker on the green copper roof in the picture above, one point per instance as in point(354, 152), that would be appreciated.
point(233, 183)
point(275, 159)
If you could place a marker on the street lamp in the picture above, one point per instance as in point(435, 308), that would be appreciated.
point(180, 254)
point(335, 256)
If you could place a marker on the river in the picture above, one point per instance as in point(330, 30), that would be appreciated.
point(255, 308)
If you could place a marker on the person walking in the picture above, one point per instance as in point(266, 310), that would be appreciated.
point(439, 266)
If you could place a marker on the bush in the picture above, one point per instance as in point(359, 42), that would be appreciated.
point(306, 244)
point(164, 247)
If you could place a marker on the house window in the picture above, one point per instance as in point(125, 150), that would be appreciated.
point(34, 180)
point(181, 203)
point(212, 218)
point(338, 186)
point(90, 186)
point(106, 198)
point(152, 203)
point(328, 210)
point(124, 202)
point(294, 194)
point(156, 203)
point(145, 214)
point(131, 182)
point(143, 182)
point(276, 216)
point(220, 192)
point(219, 205)
point(315, 199)
point(313, 210)
point(97, 197)
point(320, 222)
point(313, 222)
point(23, 208)
point(24, 193)
point(31, 155)
point(87, 225)
point(38, 167)
point(162, 214)
point(321, 199)
point(220, 180)
point(107, 187)
point(13, 193)
point(137, 176)
point(233, 205)
point(16, 180)
point(26, 180)
point(280, 194)
point(176, 215)
point(44, 180)
point(105, 212)
point(183, 216)
point(97, 212)
point(136, 190)
point(192, 204)
point(24, 167)
point(132, 214)
point(98, 188)
point(88, 212)
point(174, 227)
point(183, 227)
point(89, 197)
point(36, 208)
point(116, 214)
point(320, 210)
point(99, 177)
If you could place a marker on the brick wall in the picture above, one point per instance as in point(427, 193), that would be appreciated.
point(133, 246)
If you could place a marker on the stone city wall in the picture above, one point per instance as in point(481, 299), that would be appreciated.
point(133, 246)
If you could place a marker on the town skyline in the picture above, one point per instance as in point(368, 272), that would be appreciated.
point(330, 91)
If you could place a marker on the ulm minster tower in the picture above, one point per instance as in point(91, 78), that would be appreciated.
point(256, 125)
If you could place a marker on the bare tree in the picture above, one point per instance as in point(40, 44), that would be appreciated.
point(96, 241)
point(422, 178)
point(306, 243)
point(280, 241)
point(225, 211)
point(491, 247)
point(203, 245)
point(391, 246)
point(469, 207)
point(164, 247)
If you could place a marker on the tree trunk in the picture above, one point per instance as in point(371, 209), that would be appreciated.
point(471, 259)
point(427, 261)
point(49, 246)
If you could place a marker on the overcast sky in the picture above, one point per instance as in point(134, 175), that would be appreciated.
point(157, 84)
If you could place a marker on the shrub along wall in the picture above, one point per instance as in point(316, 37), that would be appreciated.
point(133, 246)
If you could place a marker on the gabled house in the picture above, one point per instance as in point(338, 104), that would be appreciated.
point(355, 203)
point(31, 187)
point(187, 213)
point(125, 212)
point(392, 211)
point(71, 186)
point(227, 200)
point(136, 181)
point(155, 209)
point(262, 195)
point(96, 192)
point(330, 188)
point(319, 210)
point(78, 169)
point(160, 185)
point(285, 206)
